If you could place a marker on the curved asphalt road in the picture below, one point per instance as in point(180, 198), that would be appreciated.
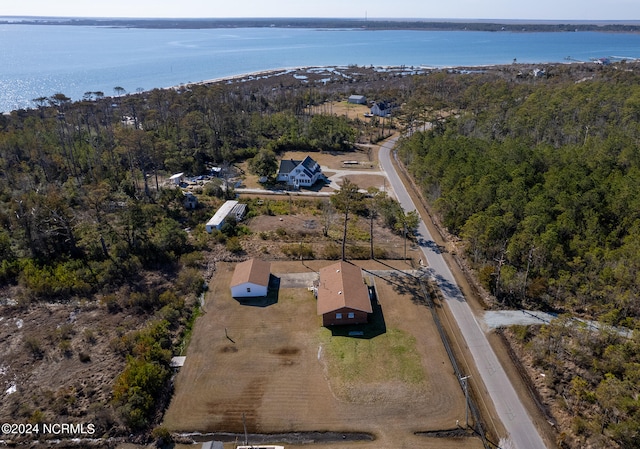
point(522, 434)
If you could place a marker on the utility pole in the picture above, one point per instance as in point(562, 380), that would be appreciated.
point(404, 225)
point(464, 381)
point(244, 424)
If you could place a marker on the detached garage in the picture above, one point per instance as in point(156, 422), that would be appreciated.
point(251, 279)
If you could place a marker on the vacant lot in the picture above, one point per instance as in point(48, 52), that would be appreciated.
point(272, 363)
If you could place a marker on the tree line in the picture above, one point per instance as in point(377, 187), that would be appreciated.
point(540, 177)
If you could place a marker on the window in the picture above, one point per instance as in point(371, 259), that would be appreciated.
point(248, 289)
point(351, 315)
point(338, 316)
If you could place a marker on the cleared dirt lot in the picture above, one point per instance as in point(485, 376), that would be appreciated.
point(275, 365)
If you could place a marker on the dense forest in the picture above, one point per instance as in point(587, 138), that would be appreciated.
point(541, 182)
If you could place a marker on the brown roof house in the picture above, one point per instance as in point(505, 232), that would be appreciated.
point(343, 297)
point(250, 279)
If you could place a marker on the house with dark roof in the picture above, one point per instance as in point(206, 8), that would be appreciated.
point(343, 297)
point(251, 279)
point(381, 109)
point(299, 173)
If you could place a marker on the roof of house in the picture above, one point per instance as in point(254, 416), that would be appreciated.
point(287, 165)
point(341, 286)
point(254, 271)
point(382, 105)
point(310, 166)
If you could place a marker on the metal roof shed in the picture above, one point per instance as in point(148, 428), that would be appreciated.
point(216, 221)
point(177, 178)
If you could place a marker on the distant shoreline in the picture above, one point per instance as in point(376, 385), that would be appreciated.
point(621, 26)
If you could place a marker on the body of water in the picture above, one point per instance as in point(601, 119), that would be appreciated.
point(40, 60)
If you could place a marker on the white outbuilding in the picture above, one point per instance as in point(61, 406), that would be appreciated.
point(251, 279)
point(230, 208)
point(357, 99)
point(177, 179)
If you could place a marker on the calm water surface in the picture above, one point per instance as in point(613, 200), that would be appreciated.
point(39, 61)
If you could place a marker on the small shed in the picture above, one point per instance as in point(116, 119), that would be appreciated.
point(343, 297)
point(251, 279)
point(190, 200)
point(177, 179)
point(357, 99)
point(177, 361)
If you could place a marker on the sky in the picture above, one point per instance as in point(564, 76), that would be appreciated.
point(565, 10)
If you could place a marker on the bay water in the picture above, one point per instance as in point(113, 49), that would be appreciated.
point(42, 60)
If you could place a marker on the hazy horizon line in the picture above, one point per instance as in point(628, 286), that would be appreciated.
point(363, 19)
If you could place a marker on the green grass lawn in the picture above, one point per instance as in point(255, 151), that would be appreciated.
point(388, 357)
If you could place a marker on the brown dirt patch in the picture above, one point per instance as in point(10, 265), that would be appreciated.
point(278, 380)
point(334, 160)
point(349, 110)
point(365, 181)
point(60, 360)
point(273, 232)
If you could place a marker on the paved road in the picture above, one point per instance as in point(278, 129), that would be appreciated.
point(522, 434)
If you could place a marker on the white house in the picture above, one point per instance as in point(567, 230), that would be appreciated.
point(381, 109)
point(299, 173)
point(229, 208)
point(250, 279)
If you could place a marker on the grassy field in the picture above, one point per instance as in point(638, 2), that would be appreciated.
point(273, 363)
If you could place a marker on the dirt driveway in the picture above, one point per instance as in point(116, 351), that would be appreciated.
point(280, 370)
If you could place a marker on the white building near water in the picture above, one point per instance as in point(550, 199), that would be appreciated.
point(229, 208)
